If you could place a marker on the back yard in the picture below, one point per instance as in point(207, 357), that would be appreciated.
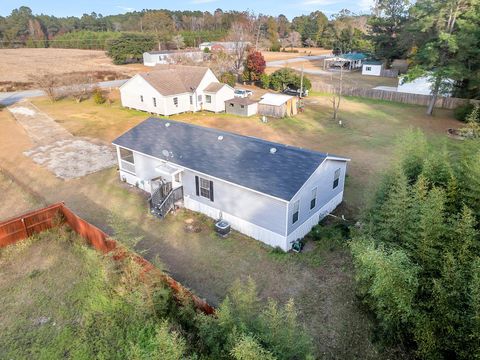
point(320, 281)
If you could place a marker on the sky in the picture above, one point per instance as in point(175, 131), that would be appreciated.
point(289, 8)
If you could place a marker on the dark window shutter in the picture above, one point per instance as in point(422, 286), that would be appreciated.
point(211, 190)
point(197, 185)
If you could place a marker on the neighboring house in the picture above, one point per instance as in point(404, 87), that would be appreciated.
point(373, 68)
point(215, 96)
point(277, 105)
point(164, 57)
point(271, 192)
point(350, 61)
point(420, 86)
point(175, 90)
point(226, 46)
point(241, 106)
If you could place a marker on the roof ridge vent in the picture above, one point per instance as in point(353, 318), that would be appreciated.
point(273, 150)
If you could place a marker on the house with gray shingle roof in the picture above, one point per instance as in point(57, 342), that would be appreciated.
point(175, 89)
point(272, 192)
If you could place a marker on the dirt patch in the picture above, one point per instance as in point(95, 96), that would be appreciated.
point(73, 158)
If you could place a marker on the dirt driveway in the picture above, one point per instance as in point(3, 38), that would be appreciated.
point(59, 151)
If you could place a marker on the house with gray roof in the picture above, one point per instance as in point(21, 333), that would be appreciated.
point(175, 89)
point(272, 192)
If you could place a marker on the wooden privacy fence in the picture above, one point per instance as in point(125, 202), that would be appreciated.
point(34, 222)
point(415, 99)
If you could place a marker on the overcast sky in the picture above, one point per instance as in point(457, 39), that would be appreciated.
point(290, 8)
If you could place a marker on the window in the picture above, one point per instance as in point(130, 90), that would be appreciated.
point(296, 206)
point(199, 98)
point(336, 178)
point(191, 100)
point(177, 177)
point(242, 106)
point(126, 155)
point(208, 99)
point(141, 98)
point(127, 162)
point(155, 102)
point(204, 188)
point(175, 101)
point(232, 104)
point(313, 201)
point(368, 68)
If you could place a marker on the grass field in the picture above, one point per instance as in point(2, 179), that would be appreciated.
point(16, 65)
point(320, 281)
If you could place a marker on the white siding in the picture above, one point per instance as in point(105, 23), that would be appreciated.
point(218, 99)
point(322, 179)
point(131, 95)
point(374, 70)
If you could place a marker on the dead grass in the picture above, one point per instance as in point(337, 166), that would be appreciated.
point(17, 64)
point(277, 55)
point(15, 200)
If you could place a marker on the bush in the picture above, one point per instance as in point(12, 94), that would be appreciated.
point(265, 81)
point(98, 97)
point(283, 78)
point(461, 112)
point(228, 78)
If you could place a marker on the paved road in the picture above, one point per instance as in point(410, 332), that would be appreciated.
point(9, 98)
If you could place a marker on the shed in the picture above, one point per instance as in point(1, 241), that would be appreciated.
point(241, 106)
point(372, 67)
point(277, 105)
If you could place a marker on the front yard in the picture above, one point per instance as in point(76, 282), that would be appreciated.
point(320, 281)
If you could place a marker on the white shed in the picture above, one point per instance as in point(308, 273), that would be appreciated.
point(372, 68)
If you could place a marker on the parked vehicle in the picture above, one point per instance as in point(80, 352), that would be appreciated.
point(242, 93)
point(295, 92)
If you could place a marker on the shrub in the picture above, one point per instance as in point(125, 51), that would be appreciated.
point(228, 78)
point(265, 81)
point(461, 112)
point(282, 78)
point(98, 96)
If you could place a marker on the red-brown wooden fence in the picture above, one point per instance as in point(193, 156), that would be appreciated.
point(28, 224)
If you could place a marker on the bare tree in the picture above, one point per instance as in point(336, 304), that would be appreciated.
point(178, 41)
point(240, 37)
point(78, 86)
point(48, 83)
point(337, 95)
point(294, 39)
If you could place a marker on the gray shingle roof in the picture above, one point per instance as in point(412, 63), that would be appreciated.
point(241, 160)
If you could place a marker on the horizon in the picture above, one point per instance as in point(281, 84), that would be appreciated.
point(114, 7)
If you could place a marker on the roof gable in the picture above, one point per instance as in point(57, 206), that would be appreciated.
point(245, 161)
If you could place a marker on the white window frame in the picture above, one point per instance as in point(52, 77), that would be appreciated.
point(175, 101)
point(208, 99)
point(336, 178)
point(296, 211)
point(154, 102)
point(204, 187)
point(191, 99)
point(313, 199)
point(141, 98)
point(368, 68)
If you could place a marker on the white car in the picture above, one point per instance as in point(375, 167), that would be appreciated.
point(242, 93)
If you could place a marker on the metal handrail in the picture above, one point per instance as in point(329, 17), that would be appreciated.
point(167, 203)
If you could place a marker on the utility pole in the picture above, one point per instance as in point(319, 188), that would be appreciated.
point(301, 83)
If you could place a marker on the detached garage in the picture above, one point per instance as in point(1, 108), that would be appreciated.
point(241, 106)
point(277, 105)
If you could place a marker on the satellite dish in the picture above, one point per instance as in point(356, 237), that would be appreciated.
point(273, 150)
point(220, 138)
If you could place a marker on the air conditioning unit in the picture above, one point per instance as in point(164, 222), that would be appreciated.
point(222, 228)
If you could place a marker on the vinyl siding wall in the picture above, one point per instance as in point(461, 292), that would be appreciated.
point(327, 197)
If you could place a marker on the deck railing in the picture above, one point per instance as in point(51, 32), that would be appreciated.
point(167, 203)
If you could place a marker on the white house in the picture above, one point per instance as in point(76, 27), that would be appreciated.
point(225, 46)
point(175, 90)
point(153, 58)
point(420, 86)
point(372, 68)
point(271, 192)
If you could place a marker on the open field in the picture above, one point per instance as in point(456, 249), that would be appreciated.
point(14, 62)
point(278, 55)
point(320, 281)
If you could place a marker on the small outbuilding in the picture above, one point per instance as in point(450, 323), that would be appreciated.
point(241, 106)
point(215, 96)
point(372, 68)
point(277, 105)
